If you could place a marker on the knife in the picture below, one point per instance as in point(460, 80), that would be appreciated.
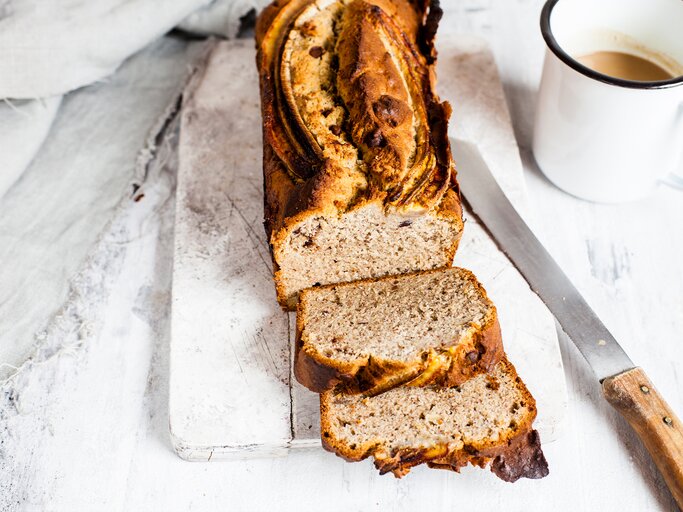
point(625, 386)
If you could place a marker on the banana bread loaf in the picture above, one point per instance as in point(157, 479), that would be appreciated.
point(359, 180)
point(486, 421)
point(434, 326)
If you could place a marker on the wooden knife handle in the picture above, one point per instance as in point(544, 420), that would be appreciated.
point(633, 395)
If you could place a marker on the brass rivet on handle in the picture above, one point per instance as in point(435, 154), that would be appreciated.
point(668, 420)
point(645, 389)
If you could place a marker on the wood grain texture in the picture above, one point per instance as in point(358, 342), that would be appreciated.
point(230, 382)
point(231, 391)
point(634, 396)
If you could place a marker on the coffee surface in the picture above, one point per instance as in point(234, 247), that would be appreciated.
point(624, 65)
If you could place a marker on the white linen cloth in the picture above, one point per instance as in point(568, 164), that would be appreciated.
point(72, 125)
point(52, 218)
point(71, 128)
point(50, 48)
point(23, 128)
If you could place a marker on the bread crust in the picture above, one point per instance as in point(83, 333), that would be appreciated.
point(300, 184)
point(477, 352)
point(515, 454)
point(522, 457)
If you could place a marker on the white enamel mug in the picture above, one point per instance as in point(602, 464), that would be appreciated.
point(602, 138)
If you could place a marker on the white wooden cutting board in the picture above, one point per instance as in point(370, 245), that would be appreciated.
point(232, 393)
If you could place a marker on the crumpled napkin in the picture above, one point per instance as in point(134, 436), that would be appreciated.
point(51, 48)
point(56, 213)
point(48, 49)
point(23, 128)
point(81, 85)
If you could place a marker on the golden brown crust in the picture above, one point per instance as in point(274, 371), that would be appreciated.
point(411, 172)
point(472, 355)
point(516, 454)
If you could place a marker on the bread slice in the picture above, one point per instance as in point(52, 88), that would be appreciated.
point(359, 181)
point(486, 421)
point(435, 326)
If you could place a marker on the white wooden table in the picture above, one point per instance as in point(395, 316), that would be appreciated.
point(87, 429)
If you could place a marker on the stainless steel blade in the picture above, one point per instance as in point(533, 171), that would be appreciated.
point(543, 274)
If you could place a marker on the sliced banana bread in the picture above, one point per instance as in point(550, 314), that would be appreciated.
point(486, 421)
point(359, 180)
point(434, 326)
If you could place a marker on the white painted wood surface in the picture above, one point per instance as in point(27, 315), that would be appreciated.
point(85, 428)
point(232, 393)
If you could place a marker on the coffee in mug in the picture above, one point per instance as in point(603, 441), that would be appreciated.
point(624, 65)
point(609, 118)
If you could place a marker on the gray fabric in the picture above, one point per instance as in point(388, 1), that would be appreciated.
point(50, 48)
point(23, 128)
point(222, 17)
point(59, 208)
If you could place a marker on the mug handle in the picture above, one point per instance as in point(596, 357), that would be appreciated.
point(675, 178)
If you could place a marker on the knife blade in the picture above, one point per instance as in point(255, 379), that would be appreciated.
point(625, 386)
point(545, 277)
